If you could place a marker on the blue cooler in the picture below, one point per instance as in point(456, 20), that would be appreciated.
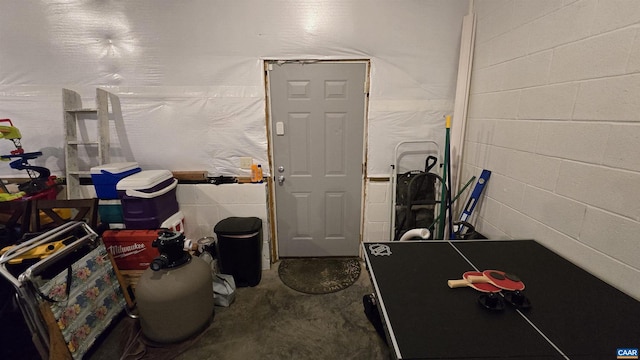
point(148, 198)
point(105, 177)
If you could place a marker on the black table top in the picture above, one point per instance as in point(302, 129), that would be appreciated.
point(573, 315)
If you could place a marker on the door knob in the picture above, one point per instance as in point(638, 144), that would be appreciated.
point(280, 179)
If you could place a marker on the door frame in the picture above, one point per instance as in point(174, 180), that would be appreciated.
point(271, 189)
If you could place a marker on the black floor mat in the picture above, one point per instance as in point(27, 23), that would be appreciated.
point(319, 275)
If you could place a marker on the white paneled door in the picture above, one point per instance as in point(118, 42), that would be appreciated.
point(317, 127)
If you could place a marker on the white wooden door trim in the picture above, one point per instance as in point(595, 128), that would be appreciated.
point(272, 181)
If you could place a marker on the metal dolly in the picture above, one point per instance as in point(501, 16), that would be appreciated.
point(408, 157)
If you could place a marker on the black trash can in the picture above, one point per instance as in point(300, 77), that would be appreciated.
point(240, 249)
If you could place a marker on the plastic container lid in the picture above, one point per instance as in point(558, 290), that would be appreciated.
point(238, 226)
point(143, 180)
point(173, 220)
point(109, 202)
point(114, 168)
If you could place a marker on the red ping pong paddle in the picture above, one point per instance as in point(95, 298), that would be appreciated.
point(498, 278)
point(480, 286)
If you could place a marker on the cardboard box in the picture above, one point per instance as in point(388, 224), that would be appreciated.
point(196, 176)
point(131, 277)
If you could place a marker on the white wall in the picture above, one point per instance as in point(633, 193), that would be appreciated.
point(189, 73)
point(555, 115)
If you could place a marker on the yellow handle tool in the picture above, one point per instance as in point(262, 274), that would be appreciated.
point(39, 252)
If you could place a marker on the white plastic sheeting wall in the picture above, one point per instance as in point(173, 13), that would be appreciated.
point(189, 74)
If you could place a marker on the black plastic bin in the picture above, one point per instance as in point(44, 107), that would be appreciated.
point(240, 249)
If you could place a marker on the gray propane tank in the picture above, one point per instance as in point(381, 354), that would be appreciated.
point(175, 294)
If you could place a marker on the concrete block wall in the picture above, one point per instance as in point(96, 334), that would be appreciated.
point(554, 113)
point(377, 211)
point(204, 205)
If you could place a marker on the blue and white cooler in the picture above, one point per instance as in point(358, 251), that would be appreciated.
point(148, 198)
point(105, 177)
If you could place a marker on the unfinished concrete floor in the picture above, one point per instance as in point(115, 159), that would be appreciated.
point(272, 321)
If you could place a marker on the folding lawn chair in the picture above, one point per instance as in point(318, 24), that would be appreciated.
point(66, 287)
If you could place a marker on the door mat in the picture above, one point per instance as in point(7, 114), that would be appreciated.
point(319, 275)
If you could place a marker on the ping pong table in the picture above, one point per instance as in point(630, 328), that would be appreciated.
point(573, 314)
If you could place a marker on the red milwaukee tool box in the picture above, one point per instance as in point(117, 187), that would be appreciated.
point(131, 249)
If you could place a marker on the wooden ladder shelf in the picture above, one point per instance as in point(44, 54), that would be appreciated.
point(77, 137)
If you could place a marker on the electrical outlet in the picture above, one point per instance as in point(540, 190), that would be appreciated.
point(246, 162)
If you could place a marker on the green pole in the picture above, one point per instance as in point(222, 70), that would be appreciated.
point(454, 199)
point(443, 195)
